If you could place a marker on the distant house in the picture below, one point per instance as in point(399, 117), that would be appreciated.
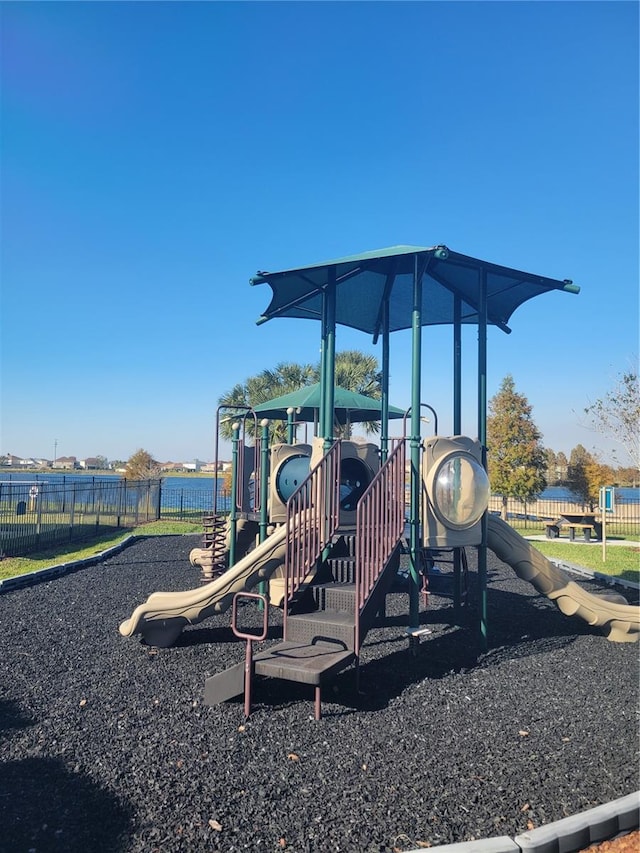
point(66, 463)
point(192, 466)
point(12, 461)
point(90, 463)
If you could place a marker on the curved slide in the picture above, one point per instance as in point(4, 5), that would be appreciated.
point(619, 620)
point(162, 617)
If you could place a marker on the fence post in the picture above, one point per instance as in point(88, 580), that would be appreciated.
point(72, 511)
point(38, 514)
point(99, 502)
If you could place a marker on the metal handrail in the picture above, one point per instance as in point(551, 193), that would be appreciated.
point(380, 521)
point(243, 413)
point(312, 518)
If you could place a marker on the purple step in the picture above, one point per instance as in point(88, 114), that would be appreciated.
point(323, 625)
point(301, 662)
point(335, 597)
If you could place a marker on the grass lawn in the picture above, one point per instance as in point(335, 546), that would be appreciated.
point(622, 561)
point(11, 567)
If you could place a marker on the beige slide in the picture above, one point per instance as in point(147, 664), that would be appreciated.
point(162, 617)
point(619, 620)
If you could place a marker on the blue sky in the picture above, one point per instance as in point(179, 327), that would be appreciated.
point(156, 155)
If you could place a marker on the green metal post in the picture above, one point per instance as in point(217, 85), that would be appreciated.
point(233, 513)
point(457, 424)
point(482, 438)
point(414, 443)
point(290, 425)
point(384, 409)
point(263, 586)
point(457, 365)
point(329, 353)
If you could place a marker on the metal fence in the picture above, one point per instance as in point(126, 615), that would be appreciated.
point(534, 515)
point(190, 504)
point(34, 516)
point(37, 515)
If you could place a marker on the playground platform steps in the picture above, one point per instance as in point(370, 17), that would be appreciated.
point(322, 643)
point(319, 644)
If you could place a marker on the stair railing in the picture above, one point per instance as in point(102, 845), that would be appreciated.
point(380, 522)
point(313, 513)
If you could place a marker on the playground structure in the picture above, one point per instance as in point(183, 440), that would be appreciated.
point(329, 516)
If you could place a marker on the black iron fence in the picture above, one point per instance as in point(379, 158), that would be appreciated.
point(534, 515)
point(187, 503)
point(38, 515)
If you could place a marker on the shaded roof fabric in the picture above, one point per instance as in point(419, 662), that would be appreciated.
point(349, 407)
point(365, 281)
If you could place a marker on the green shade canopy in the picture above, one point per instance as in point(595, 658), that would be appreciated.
point(366, 282)
point(349, 407)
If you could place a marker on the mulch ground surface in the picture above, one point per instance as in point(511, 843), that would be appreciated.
point(106, 745)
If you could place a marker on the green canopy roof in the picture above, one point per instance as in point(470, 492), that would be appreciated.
point(365, 282)
point(349, 407)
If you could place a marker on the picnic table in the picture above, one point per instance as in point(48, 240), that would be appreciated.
point(585, 521)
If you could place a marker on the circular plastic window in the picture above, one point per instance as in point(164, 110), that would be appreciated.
point(290, 474)
point(460, 491)
point(355, 477)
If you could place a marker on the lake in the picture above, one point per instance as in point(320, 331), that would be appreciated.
point(174, 485)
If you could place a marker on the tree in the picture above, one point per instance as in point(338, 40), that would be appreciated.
point(357, 371)
point(141, 466)
point(354, 370)
point(516, 458)
point(617, 414)
point(628, 476)
point(551, 467)
point(586, 474)
point(598, 474)
point(284, 378)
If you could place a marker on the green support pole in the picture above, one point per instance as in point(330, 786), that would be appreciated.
point(233, 512)
point(414, 442)
point(263, 586)
point(482, 438)
point(384, 413)
point(457, 365)
point(457, 425)
point(329, 353)
point(290, 425)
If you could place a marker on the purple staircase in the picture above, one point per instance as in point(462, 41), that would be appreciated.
point(318, 645)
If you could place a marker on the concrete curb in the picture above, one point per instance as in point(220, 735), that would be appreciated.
point(588, 573)
point(41, 575)
point(569, 835)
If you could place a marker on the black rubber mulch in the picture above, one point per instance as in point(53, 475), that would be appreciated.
point(106, 744)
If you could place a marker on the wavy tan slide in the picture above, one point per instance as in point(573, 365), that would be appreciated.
point(619, 620)
point(162, 617)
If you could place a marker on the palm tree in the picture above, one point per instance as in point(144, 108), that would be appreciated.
point(357, 371)
point(354, 370)
point(285, 377)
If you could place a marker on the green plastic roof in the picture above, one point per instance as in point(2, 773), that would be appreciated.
point(365, 281)
point(348, 406)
